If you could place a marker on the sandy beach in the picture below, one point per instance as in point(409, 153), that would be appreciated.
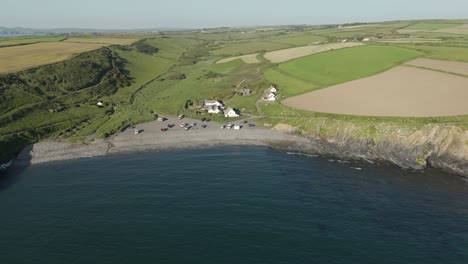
point(151, 138)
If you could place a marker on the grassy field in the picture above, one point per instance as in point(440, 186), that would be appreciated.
point(431, 26)
point(329, 68)
point(301, 40)
point(14, 41)
point(103, 40)
point(249, 47)
point(443, 53)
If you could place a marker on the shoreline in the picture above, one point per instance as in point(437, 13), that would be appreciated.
point(421, 150)
point(153, 139)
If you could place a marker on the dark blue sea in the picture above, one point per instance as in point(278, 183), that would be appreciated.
point(230, 205)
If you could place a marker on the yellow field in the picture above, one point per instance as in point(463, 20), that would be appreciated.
point(294, 53)
point(28, 56)
point(104, 40)
point(462, 30)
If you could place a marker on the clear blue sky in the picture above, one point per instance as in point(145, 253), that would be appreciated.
point(126, 14)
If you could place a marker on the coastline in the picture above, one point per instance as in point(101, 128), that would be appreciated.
point(152, 138)
point(436, 146)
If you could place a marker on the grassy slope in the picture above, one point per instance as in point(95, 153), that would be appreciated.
point(330, 68)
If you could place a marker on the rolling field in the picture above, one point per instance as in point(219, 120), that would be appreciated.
point(431, 26)
point(294, 53)
point(103, 40)
point(338, 66)
point(443, 53)
point(250, 59)
point(23, 57)
point(13, 41)
point(249, 47)
point(462, 30)
point(445, 66)
point(399, 92)
point(301, 40)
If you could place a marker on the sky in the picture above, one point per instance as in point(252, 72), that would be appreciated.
point(138, 14)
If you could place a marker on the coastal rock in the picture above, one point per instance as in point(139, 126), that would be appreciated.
point(442, 147)
point(284, 128)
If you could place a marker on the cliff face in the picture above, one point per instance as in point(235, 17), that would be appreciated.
point(438, 146)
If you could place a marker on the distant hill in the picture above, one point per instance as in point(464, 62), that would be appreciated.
point(36, 31)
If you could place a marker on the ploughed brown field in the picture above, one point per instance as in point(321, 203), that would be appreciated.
point(27, 56)
point(447, 66)
point(401, 91)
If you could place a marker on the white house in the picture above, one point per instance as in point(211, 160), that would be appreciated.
point(214, 109)
point(229, 112)
point(271, 97)
point(100, 103)
point(210, 103)
point(366, 39)
point(272, 89)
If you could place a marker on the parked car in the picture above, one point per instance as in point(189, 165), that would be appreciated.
point(180, 117)
point(251, 125)
point(164, 129)
point(183, 125)
point(223, 126)
point(137, 131)
point(203, 119)
point(204, 126)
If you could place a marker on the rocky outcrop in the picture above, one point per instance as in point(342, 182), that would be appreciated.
point(442, 147)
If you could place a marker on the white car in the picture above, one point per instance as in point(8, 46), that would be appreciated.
point(137, 132)
point(181, 117)
point(183, 125)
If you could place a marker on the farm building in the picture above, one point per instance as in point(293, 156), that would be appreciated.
point(271, 97)
point(245, 92)
point(229, 112)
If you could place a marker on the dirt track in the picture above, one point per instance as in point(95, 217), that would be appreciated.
point(402, 91)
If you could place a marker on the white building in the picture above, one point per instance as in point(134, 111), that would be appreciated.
point(210, 103)
point(272, 89)
point(100, 103)
point(229, 112)
point(271, 97)
point(214, 109)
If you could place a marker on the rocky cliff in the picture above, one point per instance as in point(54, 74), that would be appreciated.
point(438, 146)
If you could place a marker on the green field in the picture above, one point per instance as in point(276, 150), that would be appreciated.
point(301, 40)
point(431, 26)
point(443, 53)
point(339, 66)
point(13, 41)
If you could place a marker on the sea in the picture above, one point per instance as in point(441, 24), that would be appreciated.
point(230, 205)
